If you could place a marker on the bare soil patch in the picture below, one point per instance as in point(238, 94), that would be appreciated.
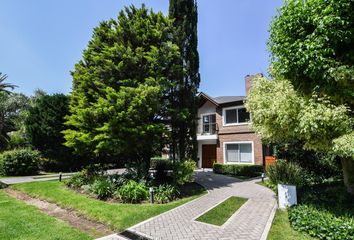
point(73, 218)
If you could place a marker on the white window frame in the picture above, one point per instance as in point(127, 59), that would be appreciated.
point(201, 120)
point(233, 124)
point(238, 142)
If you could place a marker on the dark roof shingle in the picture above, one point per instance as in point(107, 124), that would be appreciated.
point(228, 99)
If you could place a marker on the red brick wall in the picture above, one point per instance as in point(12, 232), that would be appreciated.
point(236, 133)
point(257, 145)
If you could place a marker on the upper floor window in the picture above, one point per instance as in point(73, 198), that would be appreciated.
point(236, 115)
point(209, 124)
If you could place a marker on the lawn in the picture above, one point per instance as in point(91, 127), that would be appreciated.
point(222, 212)
point(281, 229)
point(116, 215)
point(22, 222)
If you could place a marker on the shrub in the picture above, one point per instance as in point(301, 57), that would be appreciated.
point(184, 171)
point(132, 192)
point(118, 180)
point(19, 162)
point(165, 193)
point(238, 170)
point(77, 180)
point(165, 163)
point(86, 176)
point(283, 172)
point(161, 165)
point(320, 223)
point(102, 187)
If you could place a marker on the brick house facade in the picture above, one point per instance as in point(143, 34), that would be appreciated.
point(224, 134)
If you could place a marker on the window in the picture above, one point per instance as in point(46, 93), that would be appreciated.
point(236, 116)
point(209, 124)
point(238, 153)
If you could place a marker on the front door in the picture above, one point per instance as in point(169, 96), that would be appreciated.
point(208, 155)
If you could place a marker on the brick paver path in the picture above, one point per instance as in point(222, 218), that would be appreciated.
point(251, 221)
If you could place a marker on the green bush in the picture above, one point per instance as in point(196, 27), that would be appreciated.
point(78, 180)
point(20, 162)
point(283, 172)
point(184, 171)
point(132, 192)
point(320, 223)
point(156, 163)
point(162, 166)
point(165, 193)
point(86, 176)
point(118, 180)
point(102, 187)
point(244, 170)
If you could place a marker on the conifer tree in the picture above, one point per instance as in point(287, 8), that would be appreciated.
point(184, 124)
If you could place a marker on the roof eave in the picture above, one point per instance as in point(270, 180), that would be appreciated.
point(207, 97)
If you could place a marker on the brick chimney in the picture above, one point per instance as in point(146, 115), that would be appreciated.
point(249, 80)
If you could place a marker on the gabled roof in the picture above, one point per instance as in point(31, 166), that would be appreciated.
point(217, 101)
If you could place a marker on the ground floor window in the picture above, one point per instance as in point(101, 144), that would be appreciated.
point(238, 152)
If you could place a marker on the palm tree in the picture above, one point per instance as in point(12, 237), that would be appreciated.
point(3, 85)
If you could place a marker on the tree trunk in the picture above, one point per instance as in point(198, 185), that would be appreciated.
point(348, 174)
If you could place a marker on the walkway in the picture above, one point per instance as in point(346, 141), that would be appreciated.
point(251, 221)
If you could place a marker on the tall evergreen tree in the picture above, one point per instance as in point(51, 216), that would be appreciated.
point(120, 87)
point(184, 124)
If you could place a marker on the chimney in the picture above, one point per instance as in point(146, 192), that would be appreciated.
point(249, 80)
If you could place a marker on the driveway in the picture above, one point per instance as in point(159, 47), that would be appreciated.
point(251, 221)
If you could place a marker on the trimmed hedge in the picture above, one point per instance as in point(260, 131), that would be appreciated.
point(19, 162)
point(245, 170)
point(320, 223)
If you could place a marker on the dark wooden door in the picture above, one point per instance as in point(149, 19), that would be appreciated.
point(208, 155)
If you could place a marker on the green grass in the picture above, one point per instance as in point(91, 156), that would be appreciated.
point(281, 229)
point(23, 222)
point(222, 212)
point(116, 215)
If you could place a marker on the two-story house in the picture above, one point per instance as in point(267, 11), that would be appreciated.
point(224, 134)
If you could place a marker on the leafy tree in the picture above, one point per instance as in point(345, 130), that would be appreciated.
point(121, 86)
point(184, 100)
point(281, 115)
point(312, 46)
point(44, 125)
point(11, 108)
point(3, 85)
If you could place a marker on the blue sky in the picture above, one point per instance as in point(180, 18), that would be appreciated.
point(41, 40)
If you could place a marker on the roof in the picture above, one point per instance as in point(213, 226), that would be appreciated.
point(222, 99)
point(228, 99)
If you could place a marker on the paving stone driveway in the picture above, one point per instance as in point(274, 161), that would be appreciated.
point(251, 221)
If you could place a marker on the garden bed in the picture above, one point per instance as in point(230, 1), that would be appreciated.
point(282, 230)
point(324, 211)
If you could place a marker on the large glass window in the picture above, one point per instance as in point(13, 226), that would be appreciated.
point(238, 152)
point(209, 124)
point(231, 116)
point(243, 115)
point(236, 115)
